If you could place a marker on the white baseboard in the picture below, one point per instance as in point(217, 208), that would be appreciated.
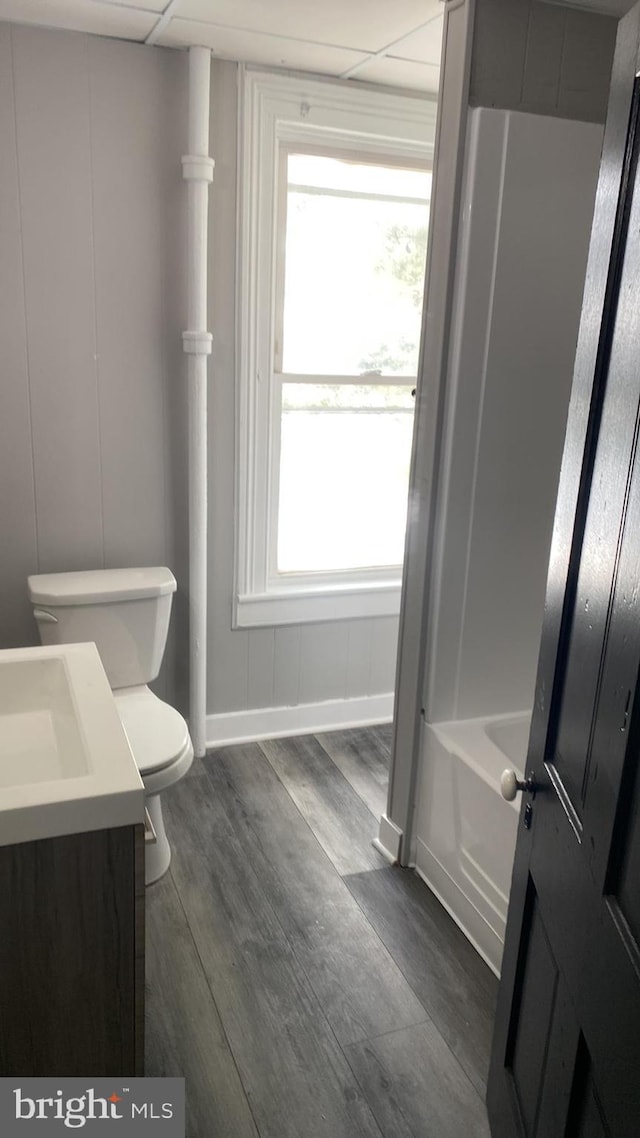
point(303, 719)
point(483, 938)
point(389, 840)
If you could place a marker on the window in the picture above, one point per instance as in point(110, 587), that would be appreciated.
point(335, 196)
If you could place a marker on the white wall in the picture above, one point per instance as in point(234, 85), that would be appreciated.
point(266, 667)
point(528, 201)
point(91, 457)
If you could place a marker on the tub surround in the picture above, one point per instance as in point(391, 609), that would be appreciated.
point(527, 201)
point(466, 832)
point(529, 188)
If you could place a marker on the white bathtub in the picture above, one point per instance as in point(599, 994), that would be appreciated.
point(465, 831)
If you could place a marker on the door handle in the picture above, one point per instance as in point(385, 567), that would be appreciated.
point(510, 784)
point(45, 617)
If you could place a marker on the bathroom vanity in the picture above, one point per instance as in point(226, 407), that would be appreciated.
point(71, 871)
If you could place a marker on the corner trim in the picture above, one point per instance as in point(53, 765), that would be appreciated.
point(389, 840)
point(305, 718)
point(416, 607)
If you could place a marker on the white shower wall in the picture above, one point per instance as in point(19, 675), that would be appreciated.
point(528, 201)
point(527, 204)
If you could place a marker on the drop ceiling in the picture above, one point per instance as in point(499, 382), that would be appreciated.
point(393, 42)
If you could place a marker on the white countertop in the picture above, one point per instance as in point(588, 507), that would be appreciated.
point(65, 763)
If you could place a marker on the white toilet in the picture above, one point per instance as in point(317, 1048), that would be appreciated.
point(126, 612)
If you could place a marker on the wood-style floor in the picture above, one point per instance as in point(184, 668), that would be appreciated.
point(303, 987)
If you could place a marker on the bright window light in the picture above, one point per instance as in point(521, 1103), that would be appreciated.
point(353, 275)
point(356, 237)
point(344, 469)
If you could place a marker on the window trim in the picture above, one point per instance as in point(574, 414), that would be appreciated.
point(275, 109)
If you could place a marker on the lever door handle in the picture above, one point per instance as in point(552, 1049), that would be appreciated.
point(45, 617)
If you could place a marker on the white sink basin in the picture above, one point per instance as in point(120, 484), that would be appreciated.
point(39, 736)
point(65, 763)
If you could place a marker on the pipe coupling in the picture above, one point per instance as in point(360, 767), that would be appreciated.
point(197, 168)
point(197, 343)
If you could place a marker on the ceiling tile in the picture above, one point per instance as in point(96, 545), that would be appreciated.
point(81, 16)
point(251, 47)
point(393, 72)
point(365, 25)
point(424, 46)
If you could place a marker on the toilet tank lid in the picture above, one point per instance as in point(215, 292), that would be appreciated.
point(99, 586)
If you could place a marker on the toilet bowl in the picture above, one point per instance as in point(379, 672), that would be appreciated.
point(160, 743)
point(126, 613)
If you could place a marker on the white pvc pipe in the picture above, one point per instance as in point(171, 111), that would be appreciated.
point(197, 169)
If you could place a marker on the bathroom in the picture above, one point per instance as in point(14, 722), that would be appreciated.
point(95, 438)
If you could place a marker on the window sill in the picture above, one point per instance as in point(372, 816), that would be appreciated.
point(315, 606)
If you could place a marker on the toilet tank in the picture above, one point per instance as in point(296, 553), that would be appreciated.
point(125, 611)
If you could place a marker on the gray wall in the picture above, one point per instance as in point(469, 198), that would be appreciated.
point(531, 56)
point(91, 374)
point(264, 667)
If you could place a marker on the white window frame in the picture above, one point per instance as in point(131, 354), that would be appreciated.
point(276, 109)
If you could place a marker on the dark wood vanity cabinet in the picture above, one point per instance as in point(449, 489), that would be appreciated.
point(72, 955)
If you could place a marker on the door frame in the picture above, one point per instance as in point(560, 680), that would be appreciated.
point(395, 836)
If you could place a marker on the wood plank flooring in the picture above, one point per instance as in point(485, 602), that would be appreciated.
point(303, 987)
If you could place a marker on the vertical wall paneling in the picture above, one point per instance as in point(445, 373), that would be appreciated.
point(323, 661)
point(91, 449)
point(228, 668)
point(17, 498)
point(260, 670)
point(384, 646)
point(172, 109)
point(138, 109)
point(542, 58)
point(130, 159)
point(285, 666)
point(359, 633)
point(499, 50)
point(286, 663)
point(92, 411)
point(584, 81)
point(53, 129)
